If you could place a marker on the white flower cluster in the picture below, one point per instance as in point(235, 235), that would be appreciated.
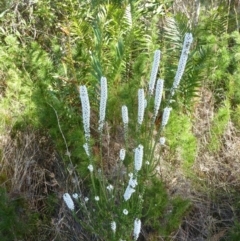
point(132, 182)
point(162, 140)
point(141, 105)
point(85, 110)
point(128, 193)
point(166, 115)
point(137, 228)
point(103, 103)
point(183, 60)
point(130, 188)
point(122, 154)
point(155, 66)
point(158, 97)
point(110, 187)
point(75, 196)
point(86, 148)
point(125, 115)
point(125, 211)
point(113, 226)
point(90, 168)
point(138, 157)
point(125, 120)
point(68, 200)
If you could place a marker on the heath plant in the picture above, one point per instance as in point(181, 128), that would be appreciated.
point(117, 207)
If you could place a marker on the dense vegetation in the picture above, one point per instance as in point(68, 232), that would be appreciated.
point(50, 48)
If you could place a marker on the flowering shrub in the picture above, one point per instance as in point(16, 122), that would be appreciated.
point(116, 207)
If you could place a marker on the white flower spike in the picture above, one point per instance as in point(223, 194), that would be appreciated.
point(122, 154)
point(86, 148)
point(113, 226)
point(155, 66)
point(158, 97)
point(128, 193)
point(125, 115)
point(137, 228)
point(183, 60)
point(68, 200)
point(103, 103)
point(166, 115)
point(85, 110)
point(138, 158)
point(141, 105)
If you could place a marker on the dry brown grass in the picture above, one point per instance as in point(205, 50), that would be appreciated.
point(32, 170)
point(221, 169)
point(216, 180)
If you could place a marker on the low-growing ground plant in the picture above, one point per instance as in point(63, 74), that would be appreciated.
point(125, 194)
point(17, 220)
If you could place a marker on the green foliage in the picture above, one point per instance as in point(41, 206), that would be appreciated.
point(3, 6)
point(155, 207)
point(236, 116)
point(181, 140)
point(15, 221)
point(220, 50)
point(219, 21)
point(219, 123)
point(234, 73)
point(16, 85)
point(219, 63)
point(163, 215)
point(235, 232)
point(179, 209)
